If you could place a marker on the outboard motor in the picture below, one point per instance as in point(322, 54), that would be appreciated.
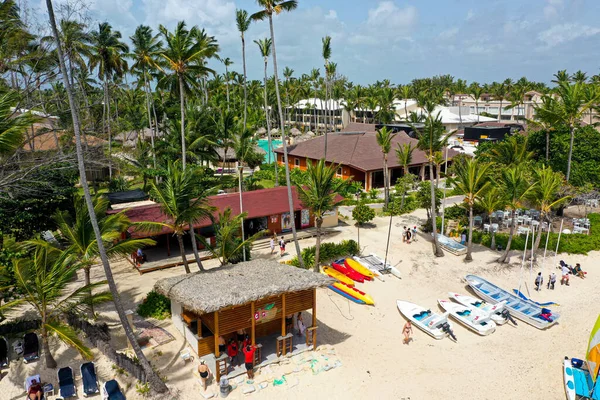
point(506, 315)
point(446, 328)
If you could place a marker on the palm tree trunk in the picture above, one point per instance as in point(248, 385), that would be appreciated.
point(319, 222)
point(315, 112)
point(50, 361)
point(437, 250)
point(245, 90)
point(493, 242)
point(227, 85)
point(269, 130)
point(224, 161)
point(195, 248)
point(386, 194)
point(469, 257)
point(500, 111)
point(182, 253)
point(285, 153)
point(510, 236)
point(156, 383)
point(405, 110)
point(182, 109)
point(107, 122)
point(547, 145)
point(572, 131)
point(477, 107)
point(87, 282)
point(152, 131)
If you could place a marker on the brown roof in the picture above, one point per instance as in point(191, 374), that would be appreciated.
point(356, 146)
point(47, 141)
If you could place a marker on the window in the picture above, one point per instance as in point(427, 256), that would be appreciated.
point(339, 171)
point(296, 163)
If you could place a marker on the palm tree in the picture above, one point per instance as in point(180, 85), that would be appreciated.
point(287, 76)
point(75, 43)
point(185, 54)
point(43, 280)
point(77, 235)
point(476, 91)
point(544, 195)
point(146, 47)
point(515, 187)
point(404, 154)
point(243, 21)
point(270, 7)
point(405, 93)
point(565, 107)
point(155, 381)
point(326, 52)
point(106, 53)
point(432, 140)
point(470, 180)
point(438, 160)
point(265, 51)
point(314, 79)
point(490, 201)
point(499, 92)
point(229, 244)
point(511, 152)
point(384, 140)
point(319, 195)
point(225, 131)
point(184, 202)
point(12, 128)
point(227, 62)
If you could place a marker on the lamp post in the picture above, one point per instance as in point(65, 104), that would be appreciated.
point(241, 170)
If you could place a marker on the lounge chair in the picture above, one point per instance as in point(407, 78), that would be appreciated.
point(112, 391)
point(29, 381)
point(89, 385)
point(66, 383)
point(31, 347)
point(3, 353)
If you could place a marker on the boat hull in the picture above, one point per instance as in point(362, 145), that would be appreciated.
point(358, 267)
point(350, 273)
point(354, 292)
point(429, 325)
point(337, 275)
point(346, 295)
point(578, 382)
point(494, 310)
point(476, 321)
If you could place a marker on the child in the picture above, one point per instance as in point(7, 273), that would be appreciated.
point(272, 244)
point(539, 280)
point(282, 246)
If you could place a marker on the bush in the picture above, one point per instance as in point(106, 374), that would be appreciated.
point(118, 184)
point(457, 213)
point(329, 252)
point(155, 305)
point(363, 213)
point(410, 205)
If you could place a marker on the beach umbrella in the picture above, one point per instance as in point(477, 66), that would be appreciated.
point(593, 351)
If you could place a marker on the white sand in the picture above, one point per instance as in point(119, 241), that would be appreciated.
point(513, 363)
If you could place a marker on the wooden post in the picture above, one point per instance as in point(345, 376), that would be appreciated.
point(168, 245)
point(283, 314)
point(253, 329)
point(217, 353)
point(314, 319)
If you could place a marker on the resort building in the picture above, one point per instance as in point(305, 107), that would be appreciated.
point(358, 155)
point(490, 105)
point(254, 296)
point(314, 113)
point(467, 139)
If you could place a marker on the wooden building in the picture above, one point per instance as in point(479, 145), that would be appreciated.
point(255, 296)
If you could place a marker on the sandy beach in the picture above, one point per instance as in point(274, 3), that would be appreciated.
point(513, 363)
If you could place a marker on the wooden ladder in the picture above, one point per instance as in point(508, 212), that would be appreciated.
point(285, 344)
point(258, 354)
point(222, 367)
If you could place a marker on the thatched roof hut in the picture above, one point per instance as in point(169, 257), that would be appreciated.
point(295, 132)
point(235, 285)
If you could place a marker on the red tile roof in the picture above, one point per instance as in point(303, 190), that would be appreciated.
point(356, 146)
point(257, 203)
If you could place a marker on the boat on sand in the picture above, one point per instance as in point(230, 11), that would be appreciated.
point(497, 312)
point(435, 325)
point(473, 318)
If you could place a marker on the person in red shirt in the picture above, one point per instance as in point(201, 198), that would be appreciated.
point(232, 351)
point(247, 342)
point(249, 360)
point(35, 390)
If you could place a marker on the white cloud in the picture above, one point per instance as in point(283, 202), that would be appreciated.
point(448, 34)
point(470, 15)
point(562, 33)
point(331, 15)
point(553, 8)
point(386, 22)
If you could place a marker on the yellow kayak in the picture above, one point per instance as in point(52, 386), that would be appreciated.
point(337, 275)
point(354, 292)
point(358, 267)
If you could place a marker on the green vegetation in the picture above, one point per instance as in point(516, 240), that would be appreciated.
point(329, 252)
point(155, 305)
point(362, 213)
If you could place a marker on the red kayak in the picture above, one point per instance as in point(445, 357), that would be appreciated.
point(350, 273)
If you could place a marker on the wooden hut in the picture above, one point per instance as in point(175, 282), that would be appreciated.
point(255, 296)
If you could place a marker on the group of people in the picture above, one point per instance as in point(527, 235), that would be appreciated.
point(281, 245)
point(409, 234)
point(566, 270)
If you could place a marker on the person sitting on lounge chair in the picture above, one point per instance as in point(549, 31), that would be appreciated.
point(35, 391)
point(141, 256)
point(578, 271)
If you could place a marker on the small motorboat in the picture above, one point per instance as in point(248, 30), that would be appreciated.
point(350, 273)
point(358, 267)
point(337, 275)
point(473, 318)
point(497, 312)
point(579, 374)
point(526, 311)
point(435, 325)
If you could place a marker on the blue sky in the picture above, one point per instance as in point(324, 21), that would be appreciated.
point(476, 40)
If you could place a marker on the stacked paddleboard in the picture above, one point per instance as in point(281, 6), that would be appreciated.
point(347, 272)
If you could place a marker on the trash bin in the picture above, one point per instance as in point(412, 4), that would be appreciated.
point(224, 387)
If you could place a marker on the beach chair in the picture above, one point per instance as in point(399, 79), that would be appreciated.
point(29, 381)
point(31, 347)
point(3, 353)
point(66, 383)
point(112, 391)
point(89, 381)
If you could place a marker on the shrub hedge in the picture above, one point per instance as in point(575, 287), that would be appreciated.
point(329, 252)
point(155, 305)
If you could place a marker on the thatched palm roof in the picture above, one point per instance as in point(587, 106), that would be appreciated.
point(234, 285)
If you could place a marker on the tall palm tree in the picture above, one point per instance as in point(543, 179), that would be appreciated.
point(225, 131)
point(242, 20)
point(107, 52)
point(12, 128)
point(155, 381)
point(470, 180)
point(565, 107)
point(75, 43)
point(499, 92)
point(326, 52)
point(404, 154)
point(512, 151)
point(185, 53)
point(146, 47)
point(314, 79)
point(545, 195)
point(227, 62)
point(476, 91)
point(287, 76)
point(265, 51)
point(270, 7)
point(43, 279)
point(490, 201)
point(79, 241)
point(384, 140)
point(319, 195)
point(515, 187)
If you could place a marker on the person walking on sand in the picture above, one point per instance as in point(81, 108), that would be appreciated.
point(272, 245)
point(408, 235)
point(404, 235)
point(204, 372)
point(539, 280)
point(282, 246)
point(414, 233)
point(407, 331)
point(249, 360)
point(551, 281)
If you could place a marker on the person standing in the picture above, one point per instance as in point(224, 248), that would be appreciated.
point(249, 351)
point(232, 352)
point(565, 274)
point(551, 281)
point(407, 331)
point(539, 280)
point(408, 235)
point(282, 246)
point(272, 244)
point(404, 235)
point(414, 233)
point(204, 372)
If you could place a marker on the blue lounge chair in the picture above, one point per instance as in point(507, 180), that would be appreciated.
point(112, 391)
point(31, 347)
point(66, 383)
point(89, 385)
point(29, 381)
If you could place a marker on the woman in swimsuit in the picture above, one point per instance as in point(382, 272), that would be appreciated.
point(407, 331)
point(204, 373)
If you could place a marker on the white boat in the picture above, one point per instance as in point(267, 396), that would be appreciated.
point(526, 311)
point(374, 262)
point(578, 374)
point(569, 379)
point(497, 312)
point(368, 266)
point(471, 317)
point(429, 322)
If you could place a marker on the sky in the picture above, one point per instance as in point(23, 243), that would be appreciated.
point(476, 40)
